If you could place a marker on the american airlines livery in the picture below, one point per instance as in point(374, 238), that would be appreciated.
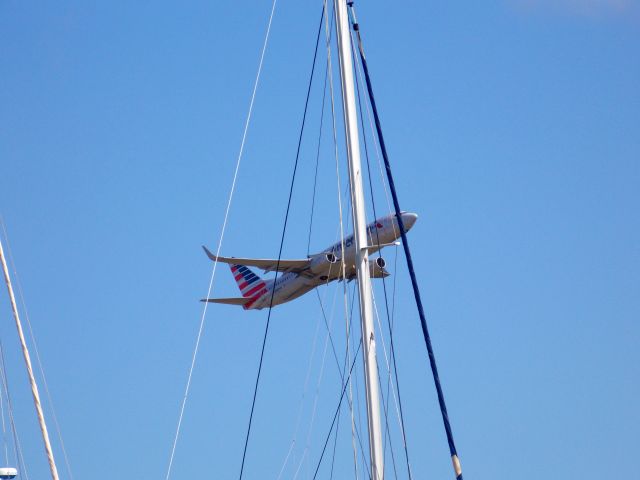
point(300, 276)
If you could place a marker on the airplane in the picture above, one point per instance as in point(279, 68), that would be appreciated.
point(303, 275)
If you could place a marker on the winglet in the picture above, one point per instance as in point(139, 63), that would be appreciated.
point(209, 254)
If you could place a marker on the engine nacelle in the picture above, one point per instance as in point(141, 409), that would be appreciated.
point(325, 264)
point(376, 268)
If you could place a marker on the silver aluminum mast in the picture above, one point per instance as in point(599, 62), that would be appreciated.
point(360, 236)
point(27, 360)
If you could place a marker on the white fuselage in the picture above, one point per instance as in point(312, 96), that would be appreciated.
point(288, 286)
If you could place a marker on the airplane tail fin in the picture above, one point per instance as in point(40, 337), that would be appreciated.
point(248, 282)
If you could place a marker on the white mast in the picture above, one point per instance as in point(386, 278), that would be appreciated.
point(360, 236)
point(27, 360)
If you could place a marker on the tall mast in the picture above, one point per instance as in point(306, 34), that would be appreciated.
point(360, 236)
point(27, 361)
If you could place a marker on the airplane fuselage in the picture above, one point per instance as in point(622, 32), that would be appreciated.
point(289, 285)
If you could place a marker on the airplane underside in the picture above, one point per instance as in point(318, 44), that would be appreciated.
point(302, 275)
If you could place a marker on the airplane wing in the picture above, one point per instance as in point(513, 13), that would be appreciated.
point(228, 301)
point(268, 265)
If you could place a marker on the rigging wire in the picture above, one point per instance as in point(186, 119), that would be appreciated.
point(304, 393)
point(427, 338)
point(16, 439)
point(284, 229)
point(328, 35)
point(357, 428)
point(4, 431)
point(344, 383)
point(352, 405)
point(315, 404)
point(222, 231)
point(386, 404)
point(313, 201)
point(358, 402)
point(327, 325)
point(52, 409)
point(333, 422)
point(375, 216)
point(393, 307)
point(328, 338)
point(328, 328)
point(2, 407)
point(315, 176)
point(384, 283)
point(343, 373)
point(32, 381)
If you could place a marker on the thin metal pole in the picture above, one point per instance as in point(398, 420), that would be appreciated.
point(360, 236)
point(27, 361)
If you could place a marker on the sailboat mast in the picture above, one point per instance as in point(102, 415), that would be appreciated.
point(27, 360)
point(360, 237)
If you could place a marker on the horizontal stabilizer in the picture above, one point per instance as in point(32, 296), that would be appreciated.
point(268, 265)
point(228, 301)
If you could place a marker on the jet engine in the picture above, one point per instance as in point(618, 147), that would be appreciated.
point(376, 268)
point(324, 264)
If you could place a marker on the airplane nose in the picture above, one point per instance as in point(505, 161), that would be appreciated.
point(409, 219)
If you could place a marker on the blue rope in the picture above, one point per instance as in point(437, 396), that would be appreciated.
point(407, 251)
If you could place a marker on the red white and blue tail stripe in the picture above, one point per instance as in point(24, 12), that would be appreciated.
point(250, 285)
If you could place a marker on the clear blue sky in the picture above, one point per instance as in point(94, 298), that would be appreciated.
point(514, 131)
